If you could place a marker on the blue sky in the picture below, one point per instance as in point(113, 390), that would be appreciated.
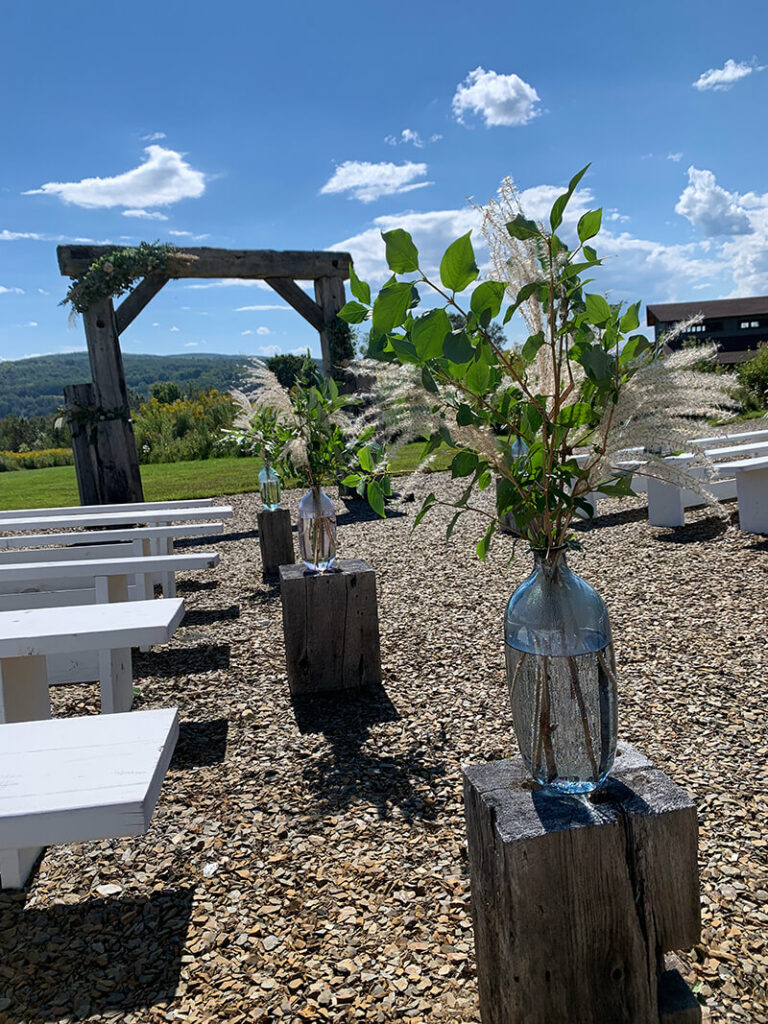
point(309, 126)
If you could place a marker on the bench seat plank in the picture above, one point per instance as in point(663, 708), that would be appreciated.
point(64, 510)
point(70, 540)
point(90, 568)
point(27, 524)
point(88, 628)
point(75, 779)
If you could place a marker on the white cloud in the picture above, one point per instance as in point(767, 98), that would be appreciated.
point(15, 236)
point(675, 157)
point(253, 309)
point(174, 329)
point(231, 282)
point(145, 214)
point(191, 344)
point(68, 349)
point(42, 291)
point(499, 99)
point(367, 182)
point(711, 208)
point(243, 333)
point(263, 330)
point(188, 234)
point(432, 232)
point(153, 137)
point(164, 178)
point(407, 135)
point(10, 291)
point(33, 323)
point(299, 351)
point(270, 350)
point(721, 79)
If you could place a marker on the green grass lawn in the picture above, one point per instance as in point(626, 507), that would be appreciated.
point(46, 488)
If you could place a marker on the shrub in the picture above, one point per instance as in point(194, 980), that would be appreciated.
point(753, 377)
point(286, 368)
point(185, 429)
point(40, 459)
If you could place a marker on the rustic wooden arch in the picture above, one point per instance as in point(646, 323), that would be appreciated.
point(106, 460)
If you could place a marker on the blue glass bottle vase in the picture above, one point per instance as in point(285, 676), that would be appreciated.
point(269, 488)
point(316, 526)
point(561, 674)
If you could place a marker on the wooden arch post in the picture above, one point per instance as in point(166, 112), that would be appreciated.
point(106, 459)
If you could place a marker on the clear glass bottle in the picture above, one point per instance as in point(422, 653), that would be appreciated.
point(316, 527)
point(269, 488)
point(561, 675)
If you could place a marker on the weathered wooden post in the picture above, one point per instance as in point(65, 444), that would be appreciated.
point(79, 400)
point(575, 900)
point(331, 627)
point(275, 540)
point(119, 474)
point(329, 296)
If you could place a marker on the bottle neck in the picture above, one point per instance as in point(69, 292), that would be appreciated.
point(550, 562)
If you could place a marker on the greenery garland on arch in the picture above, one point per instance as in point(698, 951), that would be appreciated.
point(115, 272)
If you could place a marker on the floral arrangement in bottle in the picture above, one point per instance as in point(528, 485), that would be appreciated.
point(547, 423)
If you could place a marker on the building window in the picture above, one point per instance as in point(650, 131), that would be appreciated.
point(746, 324)
point(698, 329)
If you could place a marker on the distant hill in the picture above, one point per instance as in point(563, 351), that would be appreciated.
point(32, 387)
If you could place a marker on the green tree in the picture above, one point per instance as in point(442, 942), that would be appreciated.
point(286, 368)
point(165, 391)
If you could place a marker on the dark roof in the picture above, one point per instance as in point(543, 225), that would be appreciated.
point(672, 312)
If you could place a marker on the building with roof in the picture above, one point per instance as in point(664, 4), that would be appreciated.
point(736, 326)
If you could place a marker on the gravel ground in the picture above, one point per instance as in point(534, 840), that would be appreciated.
point(308, 861)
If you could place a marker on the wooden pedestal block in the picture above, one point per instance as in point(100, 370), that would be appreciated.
point(275, 540)
point(331, 627)
point(575, 900)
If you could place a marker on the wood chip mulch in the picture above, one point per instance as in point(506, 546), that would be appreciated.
point(307, 860)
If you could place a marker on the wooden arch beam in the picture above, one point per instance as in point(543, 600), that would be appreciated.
point(253, 264)
point(143, 293)
point(298, 298)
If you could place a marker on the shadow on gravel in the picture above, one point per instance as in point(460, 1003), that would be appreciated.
point(195, 586)
point(200, 743)
point(695, 533)
point(361, 512)
point(267, 596)
point(630, 515)
point(181, 662)
point(101, 956)
point(207, 616)
point(222, 538)
point(346, 773)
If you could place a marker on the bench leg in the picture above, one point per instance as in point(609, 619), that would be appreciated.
point(24, 689)
point(752, 493)
point(15, 866)
point(665, 503)
point(116, 680)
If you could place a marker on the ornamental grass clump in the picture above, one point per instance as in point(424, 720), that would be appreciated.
point(312, 432)
point(550, 422)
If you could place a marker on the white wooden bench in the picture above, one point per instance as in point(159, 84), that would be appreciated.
point(751, 477)
point(74, 779)
point(30, 636)
point(108, 573)
point(131, 506)
point(27, 524)
point(128, 534)
point(92, 580)
point(744, 437)
point(667, 501)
